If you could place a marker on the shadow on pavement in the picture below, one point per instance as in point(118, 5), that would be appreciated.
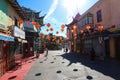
point(107, 67)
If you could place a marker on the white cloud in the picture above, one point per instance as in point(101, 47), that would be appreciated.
point(52, 8)
point(72, 7)
point(53, 20)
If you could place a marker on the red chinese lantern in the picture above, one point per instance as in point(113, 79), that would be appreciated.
point(88, 27)
point(60, 38)
point(57, 32)
point(75, 35)
point(48, 24)
point(62, 26)
point(38, 26)
point(34, 23)
point(74, 27)
point(48, 37)
point(20, 21)
point(100, 28)
point(72, 30)
point(51, 29)
point(81, 31)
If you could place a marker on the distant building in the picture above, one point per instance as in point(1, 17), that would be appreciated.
point(32, 33)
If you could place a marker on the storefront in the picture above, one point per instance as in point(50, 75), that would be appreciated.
point(6, 50)
point(19, 40)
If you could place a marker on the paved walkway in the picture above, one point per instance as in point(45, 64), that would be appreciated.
point(68, 66)
point(20, 72)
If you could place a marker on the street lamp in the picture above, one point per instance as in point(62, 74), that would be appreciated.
point(100, 28)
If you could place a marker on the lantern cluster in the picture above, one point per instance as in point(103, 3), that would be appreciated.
point(28, 23)
point(38, 26)
point(62, 27)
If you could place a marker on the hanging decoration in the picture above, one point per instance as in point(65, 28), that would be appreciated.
point(20, 21)
point(33, 22)
point(57, 32)
point(48, 24)
point(81, 31)
point(55, 37)
point(100, 28)
point(74, 27)
point(51, 29)
point(37, 26)
point(62, 26)
point(60, 38)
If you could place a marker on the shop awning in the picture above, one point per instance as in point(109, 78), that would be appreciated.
point(6, 37)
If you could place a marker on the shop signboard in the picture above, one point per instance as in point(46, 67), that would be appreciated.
point(19, 33)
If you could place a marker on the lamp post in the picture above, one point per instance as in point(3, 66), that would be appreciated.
point(100, 28)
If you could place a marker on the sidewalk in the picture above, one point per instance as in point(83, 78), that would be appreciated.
point(20, 72)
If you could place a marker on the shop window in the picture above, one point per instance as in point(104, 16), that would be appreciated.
point(99, 16)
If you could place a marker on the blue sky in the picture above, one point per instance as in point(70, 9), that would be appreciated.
point(58, 12)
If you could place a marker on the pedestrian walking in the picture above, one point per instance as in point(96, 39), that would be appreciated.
point(92, 54)
point(46, 52)
point(66, 50)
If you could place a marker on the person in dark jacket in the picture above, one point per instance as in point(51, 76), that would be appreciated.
point(92, 54)
point(66, 50)
point(46, 52)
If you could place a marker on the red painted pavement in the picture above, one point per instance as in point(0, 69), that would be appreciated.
point(20, 72)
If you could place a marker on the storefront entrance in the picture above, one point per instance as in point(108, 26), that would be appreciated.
point(4, 56)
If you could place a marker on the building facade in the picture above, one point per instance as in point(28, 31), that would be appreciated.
point(103, 13)
point(10, 13)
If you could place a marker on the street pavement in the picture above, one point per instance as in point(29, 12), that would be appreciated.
point(70, 66)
